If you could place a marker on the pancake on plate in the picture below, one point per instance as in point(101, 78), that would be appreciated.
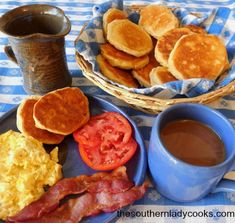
point(198, 56)
point(142, 75)
point(115, 74)
point(110, 15)
point(26, 125)
point(157, 20)
point(129, 38)
point(196, 29)
point(166, 43)
point(160, 75)
point(62, 111)
point(122, 60)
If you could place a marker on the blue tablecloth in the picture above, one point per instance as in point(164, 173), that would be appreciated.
point(12, 92)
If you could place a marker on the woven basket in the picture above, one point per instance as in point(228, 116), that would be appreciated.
point(146, 103)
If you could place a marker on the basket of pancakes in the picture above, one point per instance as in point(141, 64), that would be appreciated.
point(148, 58)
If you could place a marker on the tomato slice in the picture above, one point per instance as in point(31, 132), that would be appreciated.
point(106, 142)
point(88, 134)
point(108, 157)
point(106, 126)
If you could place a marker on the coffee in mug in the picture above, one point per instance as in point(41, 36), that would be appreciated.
point(181, 177)
point(193, 142)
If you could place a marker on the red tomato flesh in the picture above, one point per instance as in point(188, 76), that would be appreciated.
point(106, 142)
point(108, 125)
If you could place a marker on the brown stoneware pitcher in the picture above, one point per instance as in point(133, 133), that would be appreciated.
point(37, 44)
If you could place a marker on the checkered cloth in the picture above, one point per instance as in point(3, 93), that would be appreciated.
point(79, 12)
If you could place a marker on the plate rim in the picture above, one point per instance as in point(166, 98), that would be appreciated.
point(141, 174)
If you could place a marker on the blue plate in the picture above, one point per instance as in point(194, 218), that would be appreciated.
point(73, 164)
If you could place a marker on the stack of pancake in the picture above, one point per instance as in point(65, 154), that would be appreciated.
point(53, 116)
point(158, 50)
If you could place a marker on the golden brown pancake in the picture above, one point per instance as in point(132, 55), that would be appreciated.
point(110, 15)
point(160, 75)
point(196, 29)
point(115, 74)
point(166, 43)
point(157, 20)
point(198, 56)
point(26, 125)
point(62, 111)
point(122, 60)
point(142, 75)
point(129, 38)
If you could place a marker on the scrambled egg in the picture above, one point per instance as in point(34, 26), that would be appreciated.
point(25, 168)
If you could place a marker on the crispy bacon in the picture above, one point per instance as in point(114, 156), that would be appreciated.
point(91, 204)
point(115, 182)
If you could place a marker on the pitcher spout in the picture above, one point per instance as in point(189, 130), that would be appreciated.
point(35, 21)
point(36, 35)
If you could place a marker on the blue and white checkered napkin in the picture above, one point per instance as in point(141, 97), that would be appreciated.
point(220, 21)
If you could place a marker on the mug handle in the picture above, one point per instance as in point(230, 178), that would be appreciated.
point(10, 54)
point(226, 185)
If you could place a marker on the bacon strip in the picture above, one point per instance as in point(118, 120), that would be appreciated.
point(115, 182)
point(90, 204)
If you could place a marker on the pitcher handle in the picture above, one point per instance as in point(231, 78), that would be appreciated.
point(10, 54)
point(226, 185)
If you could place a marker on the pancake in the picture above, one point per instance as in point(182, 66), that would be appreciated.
point(26, 125)
point(196, 29)
point(198, 56)
point(157, 20)
point(115, 74)
point(129, 38)
point(62, 111)
point(166, 43)
point(142, 75)
point(110, 15)
point(122, 60)
point(160, 75)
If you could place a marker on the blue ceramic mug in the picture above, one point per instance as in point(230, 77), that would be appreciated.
point(183, 182)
